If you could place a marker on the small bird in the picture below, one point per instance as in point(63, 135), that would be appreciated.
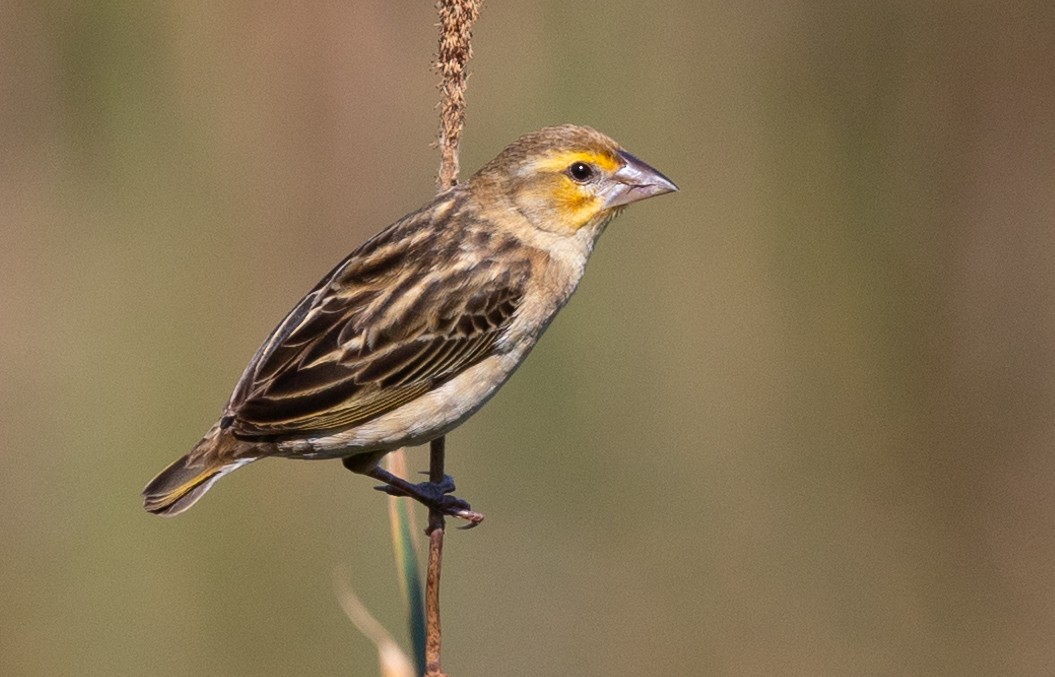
point(417, 328)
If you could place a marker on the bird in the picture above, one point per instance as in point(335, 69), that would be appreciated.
point(417, 328)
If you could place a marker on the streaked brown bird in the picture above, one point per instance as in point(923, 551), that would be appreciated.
point(417, 328)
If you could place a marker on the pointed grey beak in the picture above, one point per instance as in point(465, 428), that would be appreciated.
point(636, 180)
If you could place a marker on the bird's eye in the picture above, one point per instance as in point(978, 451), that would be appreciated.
point(580, 171)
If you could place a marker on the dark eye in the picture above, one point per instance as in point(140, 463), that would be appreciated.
point(580, 171)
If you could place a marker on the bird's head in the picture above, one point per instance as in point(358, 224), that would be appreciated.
point(569, 177)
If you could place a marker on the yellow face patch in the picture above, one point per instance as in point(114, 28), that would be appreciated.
point(577, 203)
point(571, 204)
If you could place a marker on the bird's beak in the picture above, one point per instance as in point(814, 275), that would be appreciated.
point(634, 181)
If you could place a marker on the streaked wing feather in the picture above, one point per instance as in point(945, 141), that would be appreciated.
point(361, 345)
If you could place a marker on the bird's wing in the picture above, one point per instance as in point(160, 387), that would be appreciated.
point(378, 332)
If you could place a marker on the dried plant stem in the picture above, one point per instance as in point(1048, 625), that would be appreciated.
point(456, 22)
point(433, 633)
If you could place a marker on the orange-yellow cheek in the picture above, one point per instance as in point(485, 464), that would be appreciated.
point(576, 206)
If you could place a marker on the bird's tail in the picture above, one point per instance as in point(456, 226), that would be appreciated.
point(180, 485)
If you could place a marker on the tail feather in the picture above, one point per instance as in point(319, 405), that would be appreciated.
point(180, 485)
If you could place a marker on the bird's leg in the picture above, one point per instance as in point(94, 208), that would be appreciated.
point(430, 494)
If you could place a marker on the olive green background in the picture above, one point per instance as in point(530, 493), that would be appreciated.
point(798, 420)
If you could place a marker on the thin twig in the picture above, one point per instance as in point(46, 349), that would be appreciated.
point(433, 632)
point(456, 21)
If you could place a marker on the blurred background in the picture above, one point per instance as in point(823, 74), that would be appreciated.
point(798, 420)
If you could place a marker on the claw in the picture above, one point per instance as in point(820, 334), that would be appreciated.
point(473, 519)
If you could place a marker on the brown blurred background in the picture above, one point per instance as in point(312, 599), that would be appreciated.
point(797, 421)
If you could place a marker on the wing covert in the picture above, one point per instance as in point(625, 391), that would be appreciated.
point(355, 349)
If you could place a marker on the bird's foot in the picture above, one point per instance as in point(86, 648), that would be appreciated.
point(433, 495)
point(437, 497)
